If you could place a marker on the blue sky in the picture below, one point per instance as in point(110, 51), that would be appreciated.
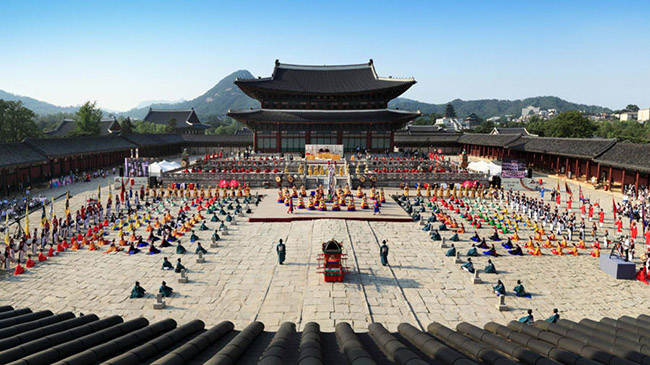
point(123, 52)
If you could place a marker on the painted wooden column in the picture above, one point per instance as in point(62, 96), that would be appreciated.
point(609, 177)
point(587, 171)
point(622, 180)
point(278, 140)
point(255, 140)
point(577, 172)
point(557, 165)
point(598, 172)
point(636, 182)
point(369, 140)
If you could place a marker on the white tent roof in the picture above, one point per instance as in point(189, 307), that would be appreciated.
point(485, 167)
point(163, 166)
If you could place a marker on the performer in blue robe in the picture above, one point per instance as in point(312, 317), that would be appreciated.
point(507, 245)
point(476, 237)
point(516, 251)
point(483, 244)
point(491, 252)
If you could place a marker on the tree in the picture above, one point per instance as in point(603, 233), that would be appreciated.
point(572, 124)
point(171, 125)
point(126, 126)
point(16, 122)
point(632, 108)
point(485, 127)
point(87, 119)
point(450, 112)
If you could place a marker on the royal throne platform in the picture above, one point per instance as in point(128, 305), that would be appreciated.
point(617, 267)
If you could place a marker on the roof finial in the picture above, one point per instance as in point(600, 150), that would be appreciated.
point(370, 62)
point(277, 62)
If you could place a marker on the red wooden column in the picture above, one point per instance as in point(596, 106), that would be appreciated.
point(308, 137)
point(278, 140)
point(566, 166)
point(636, 182)
point(392, 141)
point(557, 165)
point(598, 172)
point(369, 140)
point(587, 171)
point(609, 176)
point(255, 141)
point(622, 180)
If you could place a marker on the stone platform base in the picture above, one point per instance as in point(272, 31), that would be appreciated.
point(618, 268)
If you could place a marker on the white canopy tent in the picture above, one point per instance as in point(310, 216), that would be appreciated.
point(156, 168)
point(485, 167)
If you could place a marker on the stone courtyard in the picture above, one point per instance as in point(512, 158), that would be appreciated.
point(242, 282)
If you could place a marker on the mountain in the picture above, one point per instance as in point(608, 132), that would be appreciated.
point(487, 108)
point(146, 103)
point(37, 106)
point(216, 101)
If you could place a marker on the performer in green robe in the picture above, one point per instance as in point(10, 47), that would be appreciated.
point(165, 290)
point(472, 251)
point(194, 237)
point(137, 291)
point(214, 218)
point(490, 268)
point(200, 249)
point(215, 236)
point(383, 253)
point(435, 235)
point(520, 291)
point(499, 289)
point(555, 317)
point(179, 266)
point(281, 250)
point(468, 266)
point(454, 238)
point(180, 249)
point(203, 227)
point(166, 265)
point(451, 251)
point(528, 319)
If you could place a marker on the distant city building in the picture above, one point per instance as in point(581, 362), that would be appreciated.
point(643, 115)
point(625, 116)
point(183, 121)
point(450, 124)
point(530, 111)
point(108, 126)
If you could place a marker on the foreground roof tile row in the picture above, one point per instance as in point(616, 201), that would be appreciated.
point(42, 337)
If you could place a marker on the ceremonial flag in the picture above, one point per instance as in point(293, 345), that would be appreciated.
point(99, 193)
point(558, 185)
point(614, 207)
point(582, 197)
point(52, 209)
point(7, 228)
point(110, 191)
point(43, 217)
point(643, 224)
point(67, 203)
point(27, 220)
point(568, 189)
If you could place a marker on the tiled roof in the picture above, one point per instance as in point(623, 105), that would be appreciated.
point(572, 147)
point(145, 140)
point(183, 117)
point(323, 116)
point(28, 337)
point(18, 153)
point(343, 79)
point(627, 155)
point(514, 130)
point(67, 126)
point(54, 147)
point(492, 140)
point(412, 140)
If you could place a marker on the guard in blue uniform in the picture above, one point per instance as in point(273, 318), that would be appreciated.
point(383, 253)
point(281, 249)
